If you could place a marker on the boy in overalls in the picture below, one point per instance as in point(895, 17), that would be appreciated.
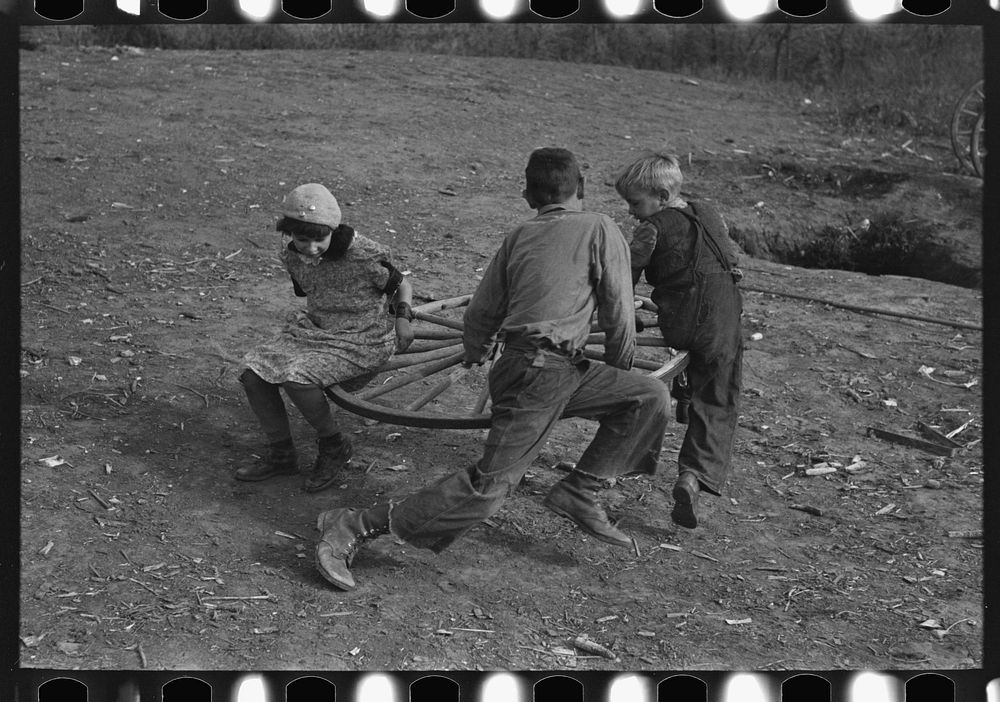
point(686, 253)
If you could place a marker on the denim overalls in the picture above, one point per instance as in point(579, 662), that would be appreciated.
point(715, 351)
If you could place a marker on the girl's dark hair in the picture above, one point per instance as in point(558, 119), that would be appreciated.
point(296, 227)
point(340, 238)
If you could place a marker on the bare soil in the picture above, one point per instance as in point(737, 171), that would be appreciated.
point(149, 185)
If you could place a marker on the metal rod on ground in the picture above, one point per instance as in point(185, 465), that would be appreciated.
point(869, 310)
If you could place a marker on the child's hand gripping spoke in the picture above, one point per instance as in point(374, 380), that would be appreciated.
point(478, 358)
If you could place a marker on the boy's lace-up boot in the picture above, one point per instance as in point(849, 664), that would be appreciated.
point(575, 497)
point(343, 531)
point(280, 459)
point(332, 456)
point(685, 493)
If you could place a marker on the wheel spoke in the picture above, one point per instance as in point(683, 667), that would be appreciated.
point(412, 359)
point(437, 389)
point(409, 378)
point(640, 363)
point(436, 334)
point(421, 346)
point(595, 339)
point(435, 319)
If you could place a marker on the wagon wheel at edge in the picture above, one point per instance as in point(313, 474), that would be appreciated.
point(967, 111)
point(431, 367)
point(977, 144)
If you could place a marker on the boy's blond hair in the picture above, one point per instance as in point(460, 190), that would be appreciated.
point(652, 173)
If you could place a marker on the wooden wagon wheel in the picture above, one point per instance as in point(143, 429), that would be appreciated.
point(977, 144)
point(969, 108)
point(426, 386)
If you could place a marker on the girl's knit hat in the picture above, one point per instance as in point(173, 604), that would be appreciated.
point(312, 203)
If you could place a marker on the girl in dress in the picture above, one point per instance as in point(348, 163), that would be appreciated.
point(345, 333)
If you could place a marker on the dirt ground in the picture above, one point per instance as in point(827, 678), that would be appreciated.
point(149, 185)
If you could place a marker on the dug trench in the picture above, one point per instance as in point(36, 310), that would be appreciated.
point(885, 228)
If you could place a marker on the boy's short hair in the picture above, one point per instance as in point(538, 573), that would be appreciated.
point(551, 176)
point(652, 172)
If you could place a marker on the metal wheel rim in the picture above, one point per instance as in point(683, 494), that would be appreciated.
point(977, 145)
point(964, 117)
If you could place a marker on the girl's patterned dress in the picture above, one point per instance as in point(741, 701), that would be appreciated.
point(345, 331)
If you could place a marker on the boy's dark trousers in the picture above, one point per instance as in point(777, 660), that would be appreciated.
point(715, 362)
point(531, 389)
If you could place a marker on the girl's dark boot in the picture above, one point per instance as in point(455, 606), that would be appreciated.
point(343, 531)
point(279, 459)
point(332, 456)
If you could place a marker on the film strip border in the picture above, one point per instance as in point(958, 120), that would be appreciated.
point(280, 11)
point(915, 686)
point(196, 686)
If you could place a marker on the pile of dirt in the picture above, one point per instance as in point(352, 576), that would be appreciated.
point(149, 258)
